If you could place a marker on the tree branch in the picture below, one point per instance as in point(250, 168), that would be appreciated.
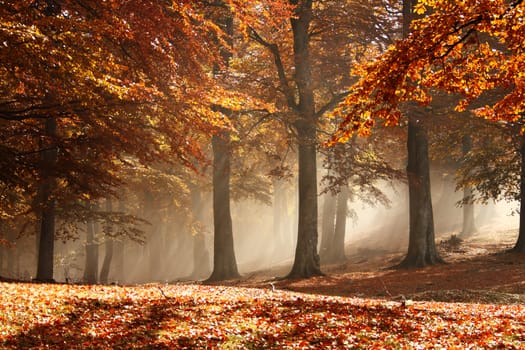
point(336, 99)
point(283, 81)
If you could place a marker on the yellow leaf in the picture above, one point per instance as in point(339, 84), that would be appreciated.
point(420, 8)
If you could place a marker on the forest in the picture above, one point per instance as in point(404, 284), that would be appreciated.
point(283, 162)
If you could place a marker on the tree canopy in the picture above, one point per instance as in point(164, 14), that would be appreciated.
point(473, 49)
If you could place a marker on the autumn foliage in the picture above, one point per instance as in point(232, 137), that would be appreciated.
point(213, 317)
point(471, 49)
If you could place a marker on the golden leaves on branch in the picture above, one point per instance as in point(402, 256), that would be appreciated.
point(468, 48)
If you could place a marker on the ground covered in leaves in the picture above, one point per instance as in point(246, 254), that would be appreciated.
point(475, 301)
point(202, 316)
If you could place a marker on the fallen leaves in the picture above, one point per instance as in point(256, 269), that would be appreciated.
point(199, 316)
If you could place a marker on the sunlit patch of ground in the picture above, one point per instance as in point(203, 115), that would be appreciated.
point(478, 270)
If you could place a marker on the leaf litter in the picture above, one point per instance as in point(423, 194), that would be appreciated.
point(187, 316)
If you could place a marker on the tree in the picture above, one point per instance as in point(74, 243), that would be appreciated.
point(471, 50)
point(117, 87)
point(224, 261)
point(91, 262)
point(307, 78)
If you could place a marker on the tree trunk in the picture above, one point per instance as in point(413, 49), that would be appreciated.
point(11, 253)
point(468, 228)
point(338, 244)
point(281, 233)
point(91, 264)
point(328, 227)
point(108, 249)
point(46, 244)
point(119, 247)
point(156, 246)
point(421, 247)
point(224, 262)
point(307, 261)
point(108, 257)
point(520, 243)
point(201, 255)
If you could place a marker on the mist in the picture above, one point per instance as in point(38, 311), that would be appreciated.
point(264, 238)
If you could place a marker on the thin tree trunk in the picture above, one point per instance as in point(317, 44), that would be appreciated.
point(469, 227)
point(338, 244)
point(108, 249)
point(10, 256)
point(91, 262)
point(201, 256)
point(520, 243)
point(108, 257)
point(279, 217)
point(224, 262)
point(46, 244)
point(119, 246)
point(328, 227)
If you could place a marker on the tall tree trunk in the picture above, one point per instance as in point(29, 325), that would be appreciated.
point(119, 246)
point(421, 245)
point(46, 244)
point(338, 244)
point(469, 227)
point(224, 262)
point(201, 256)
point(328, 227)
point(307, 262)
point(108, 249)
point(91, 262)
point(520, 243)
point(281, 233)
point(11, 253)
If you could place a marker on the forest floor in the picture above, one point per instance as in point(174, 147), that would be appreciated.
point(358, 304)
point(479, 269)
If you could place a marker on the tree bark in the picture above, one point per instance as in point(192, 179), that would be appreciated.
point(201, 255)
point(46, 244)
point(307, 262)
point(108, 249)
point(421, 247)
point(281, 233)
point(328, 227)
point(520, 243)
point(91, 262)
point(469, 228)
point(338, 244)
point(224, 262)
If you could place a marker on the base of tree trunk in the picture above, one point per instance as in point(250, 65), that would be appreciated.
point(518, 248)
point(217, 277)
point(412, 262)
point(304, 272)
point(48, 280)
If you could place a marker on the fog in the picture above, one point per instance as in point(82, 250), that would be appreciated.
point(264, 239)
